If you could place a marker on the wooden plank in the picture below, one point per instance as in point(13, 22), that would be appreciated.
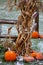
point(7, 36)
point(5, 21)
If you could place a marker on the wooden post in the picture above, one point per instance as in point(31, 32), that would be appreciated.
point(37, 21)
point(0, 29)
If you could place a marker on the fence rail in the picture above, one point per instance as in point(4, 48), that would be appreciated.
point(5, 21)
point(7, 36)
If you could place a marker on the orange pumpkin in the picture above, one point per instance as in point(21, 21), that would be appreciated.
point(40, 36)
point(10, 56)
point(28, 58)
point(33, 54)
point(39, 56)
point(35, 34)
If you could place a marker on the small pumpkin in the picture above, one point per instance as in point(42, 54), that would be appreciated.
point(39, 56)
point(28, 58)
point(40, 36)
point(35, 34)
point(10, 55)
point(33, 54)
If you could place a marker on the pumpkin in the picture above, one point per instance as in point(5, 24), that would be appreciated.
point(39, 56)
point(28, 58)
point(35, 34)
point(40, 36)
point(10, 55)
point(33, 54)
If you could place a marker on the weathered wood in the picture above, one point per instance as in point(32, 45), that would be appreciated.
point(5, 21)
point(7, 36)
point(37, 21)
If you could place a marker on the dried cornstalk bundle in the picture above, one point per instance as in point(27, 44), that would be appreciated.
point(25, 20)
point(25, 27)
